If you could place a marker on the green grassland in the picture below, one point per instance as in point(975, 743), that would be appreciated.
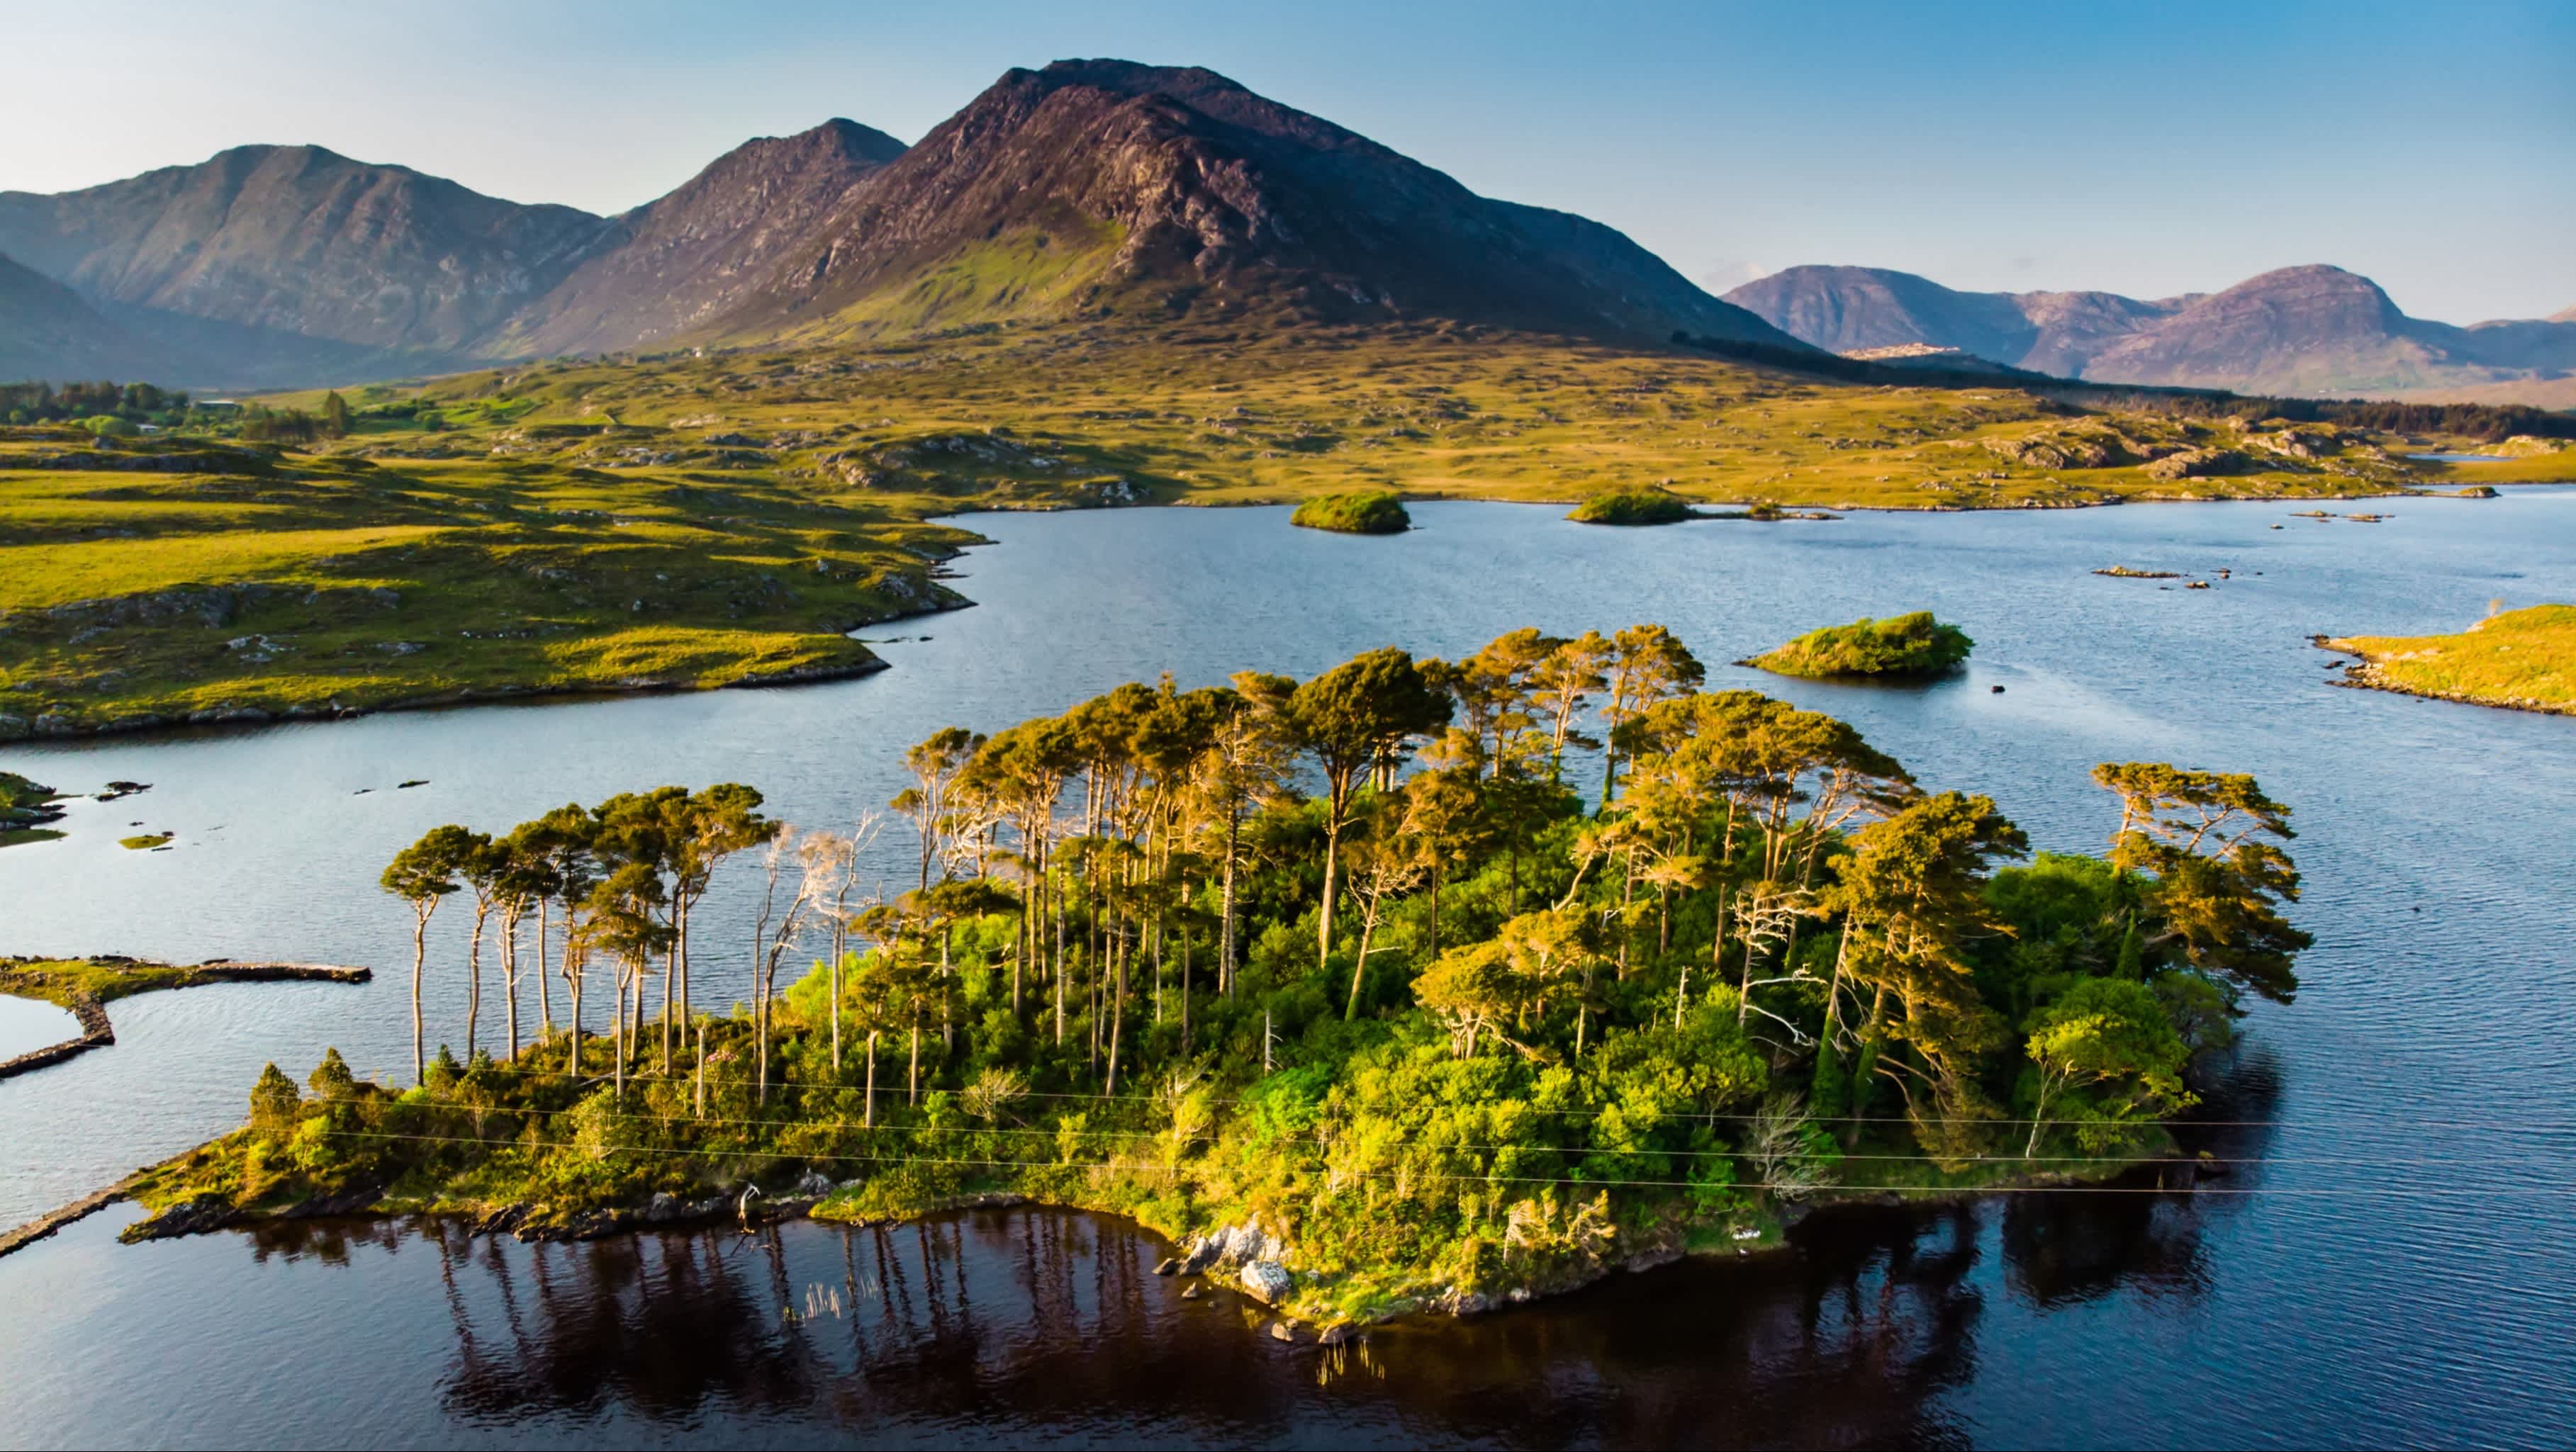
point(682, 520)
point(71, 982)
point(2525, 659)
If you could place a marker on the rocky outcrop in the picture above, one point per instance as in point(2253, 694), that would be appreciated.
point(2196, 464)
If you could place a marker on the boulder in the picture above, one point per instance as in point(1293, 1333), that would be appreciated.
point(1266, 1281)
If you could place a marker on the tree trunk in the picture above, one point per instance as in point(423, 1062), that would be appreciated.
point(912, 1080)
point(871, 1121)
point(1359, 970)
point(574, 1066)
point(622, 1040)
point(1225, 934)
point(1332, 882)
point(670, 971)
point(474, 979)
point(419, 955)
point(545, 995)
point(510, 979)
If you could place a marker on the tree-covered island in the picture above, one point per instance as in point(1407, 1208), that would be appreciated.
point(1418, 984)
point(1367, 511)
point(1914, 646)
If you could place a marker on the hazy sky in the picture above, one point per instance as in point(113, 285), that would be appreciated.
point(2149, 149)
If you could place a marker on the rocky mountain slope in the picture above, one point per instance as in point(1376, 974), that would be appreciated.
point(274, 244)
point(2300, 330)
point(1110, 186)
point(1092, 188)
point(693, 256)
point(45, 329)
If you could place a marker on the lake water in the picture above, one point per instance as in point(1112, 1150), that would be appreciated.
point(2395, 1263)
point(27, 1025)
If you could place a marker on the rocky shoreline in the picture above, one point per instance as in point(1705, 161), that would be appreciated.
point(2364, 674)
point(91, 1010)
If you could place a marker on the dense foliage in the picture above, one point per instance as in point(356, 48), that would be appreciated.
point(1370, 511)
point(1366, 957)
point(139, 403)
point(1633, 506)
point(1901, 645)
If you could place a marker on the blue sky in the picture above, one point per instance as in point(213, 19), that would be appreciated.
point(2146, 149)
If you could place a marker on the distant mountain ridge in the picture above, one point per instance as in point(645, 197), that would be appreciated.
point(1092, 187)
point(46, 329)
point(2313, 330)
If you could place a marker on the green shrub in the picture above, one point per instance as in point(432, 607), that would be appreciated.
point(1634, 506)
point(1374, 511)
point(1902, 645)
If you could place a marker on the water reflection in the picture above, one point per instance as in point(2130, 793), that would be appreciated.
point(991, 1326)
point(997, 1326)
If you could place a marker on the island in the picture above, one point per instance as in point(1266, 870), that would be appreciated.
point(27, 810)
point(1634, 506)
point(1910, 647)
point(1370, 511)
point(1372, 991)
point(2523, 660)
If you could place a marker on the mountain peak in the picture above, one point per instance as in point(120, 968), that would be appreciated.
point(1106, 185)
point(857, 142)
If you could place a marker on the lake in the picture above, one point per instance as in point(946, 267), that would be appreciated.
point(2394, 1262)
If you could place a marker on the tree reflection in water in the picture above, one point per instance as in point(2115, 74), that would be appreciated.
point(998, 1326)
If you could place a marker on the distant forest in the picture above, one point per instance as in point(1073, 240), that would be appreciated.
point(26, 403)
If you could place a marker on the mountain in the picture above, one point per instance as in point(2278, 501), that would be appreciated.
point(692, 256)
point(279, 247)
point(1112, 187)
point(46, 331)
point(1101, 189)
point(2298, 330)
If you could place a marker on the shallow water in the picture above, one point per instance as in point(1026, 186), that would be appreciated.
point(2403, 1268)
point(27, 1025)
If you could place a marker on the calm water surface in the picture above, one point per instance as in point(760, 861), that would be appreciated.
point(2398, 1267)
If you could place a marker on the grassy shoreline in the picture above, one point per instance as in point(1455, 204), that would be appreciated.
point(85, 986)
point(2519, 660)
point(673, 522)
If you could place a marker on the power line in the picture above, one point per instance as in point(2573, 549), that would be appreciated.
point(788, 1086)
point(1321, 1143)
point(2378, 1192)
